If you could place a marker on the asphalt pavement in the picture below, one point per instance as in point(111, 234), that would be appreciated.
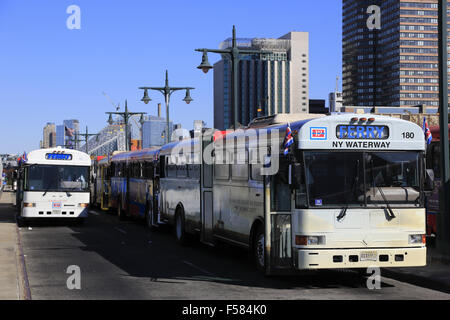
point(125, 260)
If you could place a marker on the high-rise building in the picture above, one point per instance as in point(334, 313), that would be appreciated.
point(269, 83)
point(49, 136)
point(68, 133)
point(60, 136)
point(335, 101)
point(392, 61)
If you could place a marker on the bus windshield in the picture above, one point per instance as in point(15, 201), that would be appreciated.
point(346, 179)
point(51, 178)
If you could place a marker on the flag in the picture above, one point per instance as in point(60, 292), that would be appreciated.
point(25, 157)
point(69, 132)
point(288, 140)
point(427, 131)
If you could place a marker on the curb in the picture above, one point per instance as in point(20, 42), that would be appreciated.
point(22, 278)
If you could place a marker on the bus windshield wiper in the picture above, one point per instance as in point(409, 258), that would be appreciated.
point(389, 213)
point(343, 212)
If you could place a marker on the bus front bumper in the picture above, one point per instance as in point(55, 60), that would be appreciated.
point(76, 212)
point(361, 258)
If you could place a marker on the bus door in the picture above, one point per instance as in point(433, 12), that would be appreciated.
point(277, 216)
point(104, 188)
point(206, 192)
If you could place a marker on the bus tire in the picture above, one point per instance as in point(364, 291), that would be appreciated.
point(259, 249)
point(121, 212)
point(180, 232)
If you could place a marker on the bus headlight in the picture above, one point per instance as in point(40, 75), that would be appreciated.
point(309, 240)
point(417, 239)
point(83, 205)
point(29, 205)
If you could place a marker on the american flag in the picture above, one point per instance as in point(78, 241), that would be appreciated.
point(288, 140)
point(69, 132)
point(426, 129)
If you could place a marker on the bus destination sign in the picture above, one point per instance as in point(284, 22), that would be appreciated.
point(58, 156)
point(362, 132)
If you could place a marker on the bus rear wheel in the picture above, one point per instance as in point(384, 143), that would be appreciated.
point(259, 247)
point(180, 233)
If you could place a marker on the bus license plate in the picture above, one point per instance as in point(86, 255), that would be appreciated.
point(56, 211)
point(369, 256)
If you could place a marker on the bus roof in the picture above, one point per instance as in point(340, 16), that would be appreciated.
point(58, 156)
point(145, 154)
point(361, 132)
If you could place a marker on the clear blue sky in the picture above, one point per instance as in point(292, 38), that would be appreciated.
point(49, 73)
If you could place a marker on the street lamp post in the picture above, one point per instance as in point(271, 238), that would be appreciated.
point(167, 92)
point(443, 222)
point(86, 138)
point(235, 54)
point(126, 117)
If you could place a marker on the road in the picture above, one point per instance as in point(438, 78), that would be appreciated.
point(125, 260)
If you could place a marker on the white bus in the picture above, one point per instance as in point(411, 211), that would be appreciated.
point(349, 193)
point(53, 183)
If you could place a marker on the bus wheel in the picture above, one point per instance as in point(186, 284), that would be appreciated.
point(259, 249)
point(180, 232)
point(120, 212)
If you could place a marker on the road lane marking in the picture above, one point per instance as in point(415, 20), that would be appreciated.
point(94, 213)
point(198, 268)
point(120, 230)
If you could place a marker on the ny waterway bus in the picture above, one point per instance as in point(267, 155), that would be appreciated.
point(347, 192)
point(53, 183)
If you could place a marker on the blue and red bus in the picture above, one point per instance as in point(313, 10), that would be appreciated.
point(133, 184)
point(433, 162)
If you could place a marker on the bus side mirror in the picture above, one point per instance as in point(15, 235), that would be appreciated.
point(429, 181)
point(296, 175)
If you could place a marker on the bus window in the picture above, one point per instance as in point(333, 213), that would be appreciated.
point(147, 170)
point(181, 171)
point(255, 166)
point(280, 191)
point(335, 178)
point(394, 174)
point(56, 178)
point(255, 172)
point(239, 168)
point(194, 171)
